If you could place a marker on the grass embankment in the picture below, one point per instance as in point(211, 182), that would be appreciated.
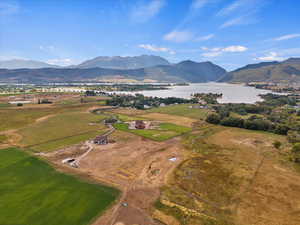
point(182, 110)
point(164, 132)
point(32, 192)
point(62, 130)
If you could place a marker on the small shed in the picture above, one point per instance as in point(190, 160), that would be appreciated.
point(139, 124)
point(101, 140)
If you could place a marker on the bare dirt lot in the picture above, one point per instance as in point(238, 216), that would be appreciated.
point(136, 165)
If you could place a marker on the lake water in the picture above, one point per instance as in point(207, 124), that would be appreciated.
point(232, 93)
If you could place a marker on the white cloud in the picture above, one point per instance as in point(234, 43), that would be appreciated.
point(214, 52)
point(206, 37)
point(287, 37)
point(242, 20)
point(154, 48)
point(179, 36)
point(48, 48)
point(197, 4)
point(211, 54)
point(235, 48)
point(245, 12)
point(8, 8)
point(184, 36)
point(237, 5)
point(145, 11)
point(271, 56)
point(60, 62)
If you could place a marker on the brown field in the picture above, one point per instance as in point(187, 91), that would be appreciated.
point(233, 177)
point(136, 165)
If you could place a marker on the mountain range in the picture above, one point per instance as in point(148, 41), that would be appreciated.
point(147, 68)
point(24, 63)
point(124, 63)
point(186, 71)
point(285, 71)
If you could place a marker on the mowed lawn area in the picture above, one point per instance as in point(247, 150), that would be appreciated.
point(165, 131)
point(33, 193)
point(62, 130)
point(181, 110)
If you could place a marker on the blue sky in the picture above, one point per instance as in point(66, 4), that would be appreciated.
point(231, 33)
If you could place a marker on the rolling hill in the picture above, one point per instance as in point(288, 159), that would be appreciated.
point(285, 71)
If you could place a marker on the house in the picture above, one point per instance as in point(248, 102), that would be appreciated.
point(101, 140)
point(139, 124)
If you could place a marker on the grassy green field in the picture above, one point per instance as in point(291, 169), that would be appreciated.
point(13, 119)
point(182, 110)
point(4, 105)
point(32, 192)
point(3, 139)
point(165, 132)
point(62, 130)
point(126, 118)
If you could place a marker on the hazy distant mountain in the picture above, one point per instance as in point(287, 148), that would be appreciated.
point(22, 63)
point(286, 71)
point(186, 71)
point(118, 62)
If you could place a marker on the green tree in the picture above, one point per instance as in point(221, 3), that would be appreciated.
point(213, 118)
point(296, 152)
point(232, 122)
point(277, 144)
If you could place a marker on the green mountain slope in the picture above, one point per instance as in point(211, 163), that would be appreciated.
point(286, 71)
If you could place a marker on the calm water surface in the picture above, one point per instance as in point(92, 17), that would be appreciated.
point(232, 93)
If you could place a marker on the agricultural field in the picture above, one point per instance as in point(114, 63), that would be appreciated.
point(17, 118)
point(38, 194)
point(80, 100)
point(223, 179)
point(178, 120)
point(126, 118)
point(62, 130)
point(165, 131)
point(3, 139)
point(181, 171)
point(182, 110)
